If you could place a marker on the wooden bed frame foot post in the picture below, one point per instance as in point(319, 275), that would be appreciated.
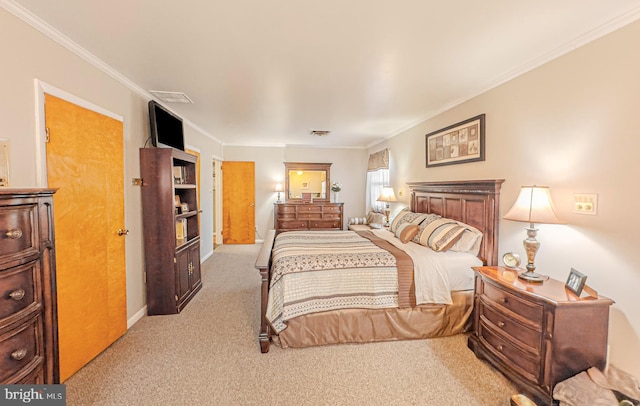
point(263, 265)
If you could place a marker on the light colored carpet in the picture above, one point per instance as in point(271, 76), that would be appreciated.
point(209, 355)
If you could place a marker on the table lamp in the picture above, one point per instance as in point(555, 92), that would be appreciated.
point(387, 196)
point(533, 205)
point(278, 189)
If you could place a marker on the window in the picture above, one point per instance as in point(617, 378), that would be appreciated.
point(377, 178)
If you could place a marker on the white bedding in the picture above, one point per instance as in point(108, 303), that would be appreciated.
point(436, 274)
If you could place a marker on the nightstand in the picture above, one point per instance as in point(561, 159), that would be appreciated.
point(536, 334)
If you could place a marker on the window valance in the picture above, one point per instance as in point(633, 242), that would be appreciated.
point(379, 160)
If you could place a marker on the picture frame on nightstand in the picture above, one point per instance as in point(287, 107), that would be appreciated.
point(576, 282)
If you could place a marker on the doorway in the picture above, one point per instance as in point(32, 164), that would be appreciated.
point(85, 162)
point(238, 202)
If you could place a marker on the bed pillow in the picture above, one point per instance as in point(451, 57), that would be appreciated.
point(375, 218)
point(406, 231)
point(423, 225)
point(406, 216)
point(470, 240)
point(440, 234)
point(358, 220)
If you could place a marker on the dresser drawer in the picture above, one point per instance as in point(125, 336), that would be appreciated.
point(17, 235)
point(17, 289)
point(20, 348)
point(309, 209)
point(529, 338)
point(285, 209)
point(292, 225)
point(287, 216)
point(502, 299)
point(324, 224)
point(509, 353)
point(331, 216)
point(333, 209)
point(306, 216)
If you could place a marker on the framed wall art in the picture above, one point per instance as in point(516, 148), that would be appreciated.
point(458, 143)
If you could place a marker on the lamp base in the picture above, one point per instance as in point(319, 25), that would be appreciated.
point(531, 277)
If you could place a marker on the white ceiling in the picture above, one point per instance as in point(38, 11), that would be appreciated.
point(268, 72)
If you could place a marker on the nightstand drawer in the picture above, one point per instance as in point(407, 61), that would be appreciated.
point(509, 353)
point(529, 338)
point(502, 299)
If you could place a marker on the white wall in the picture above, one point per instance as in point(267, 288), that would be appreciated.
point(28, 55)
point(571, 124)
point(348, 167)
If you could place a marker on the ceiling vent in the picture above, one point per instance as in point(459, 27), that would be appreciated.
point(320, 133)
point(171, 97)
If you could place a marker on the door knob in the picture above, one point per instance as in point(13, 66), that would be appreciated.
point(123, 231)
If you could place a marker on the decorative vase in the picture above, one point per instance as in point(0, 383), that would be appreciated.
point(336, 196)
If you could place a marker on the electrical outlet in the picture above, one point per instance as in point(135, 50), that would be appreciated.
point(585, 203)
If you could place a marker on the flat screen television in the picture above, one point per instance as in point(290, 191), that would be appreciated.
point(166, 127)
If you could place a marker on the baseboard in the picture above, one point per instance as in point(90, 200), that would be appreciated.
point(134, 319)
point(209, 254)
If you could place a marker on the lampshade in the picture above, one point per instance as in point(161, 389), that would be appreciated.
point(387, 195)
point(533, 205)
point(278, 187)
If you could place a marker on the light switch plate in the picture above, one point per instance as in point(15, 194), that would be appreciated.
point(585, 203)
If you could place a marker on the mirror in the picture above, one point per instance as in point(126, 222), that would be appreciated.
point(304, 177)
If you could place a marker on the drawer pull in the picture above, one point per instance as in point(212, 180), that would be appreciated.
point(499, 347)
point(19, 355)
point(501, 324)
point(17, 294)
point(14, 234)
point(503, 300)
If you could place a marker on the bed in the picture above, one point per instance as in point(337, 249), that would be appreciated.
point(398, 306)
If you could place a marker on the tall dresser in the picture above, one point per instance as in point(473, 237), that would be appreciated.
point(28, 314)
point(308, 216)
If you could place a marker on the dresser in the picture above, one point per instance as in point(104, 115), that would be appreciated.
point(536, 334)
point(308, 216)
point(28, 315)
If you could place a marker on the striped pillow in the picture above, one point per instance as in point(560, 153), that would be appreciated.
point(445, 236)
point(358, 220)
point(406, 216)
point(440, 234)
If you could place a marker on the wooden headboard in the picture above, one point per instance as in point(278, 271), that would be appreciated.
point(474, 202)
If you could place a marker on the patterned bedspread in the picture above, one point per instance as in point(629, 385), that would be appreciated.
point(314, 271)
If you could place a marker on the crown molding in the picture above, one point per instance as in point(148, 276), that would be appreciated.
point(55, 35)
point(598, 32)
point(581, 40)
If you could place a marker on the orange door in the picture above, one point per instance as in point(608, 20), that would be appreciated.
point(85, 163)
point(238, 202)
